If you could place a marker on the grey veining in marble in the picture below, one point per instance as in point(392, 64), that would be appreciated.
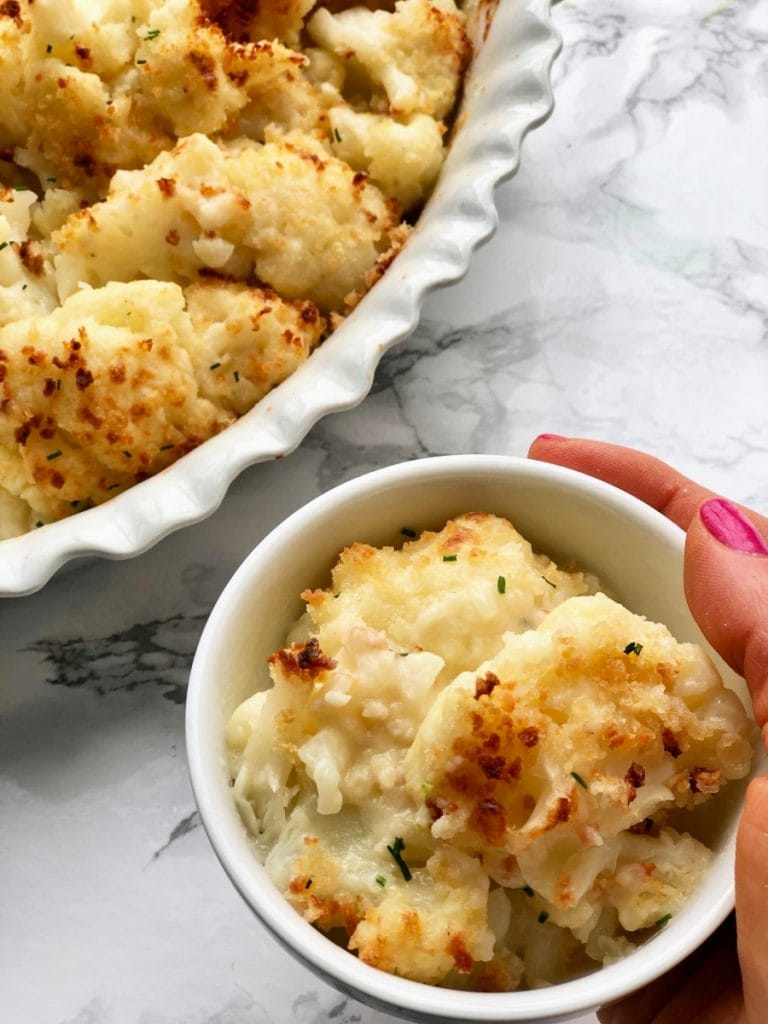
point(624, 296)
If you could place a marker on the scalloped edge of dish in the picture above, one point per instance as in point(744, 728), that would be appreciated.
point(508, 93)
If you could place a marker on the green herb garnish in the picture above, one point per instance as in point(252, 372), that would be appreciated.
point(553, 585)
point(663, 920)
point(633, 648)
point(128, 455)
point(381, 880)
point(53, 455)
point(396, 850)
point(578, 778)
point(166, 447)
point(3, 245)
point(214, 366)
point(450, 558)
point(309, 882)
point(236, 375)
point(141, 62)
point(527, 890)
point(152, 34)
point(336, 133)
point(49, 48)
point(501, 585)
point(543, 916)
point(406, 532)
point(112, 487)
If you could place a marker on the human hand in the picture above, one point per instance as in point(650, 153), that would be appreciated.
point(726, 586)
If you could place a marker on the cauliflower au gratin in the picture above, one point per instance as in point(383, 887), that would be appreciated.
point(193, 194)
point(474, 770)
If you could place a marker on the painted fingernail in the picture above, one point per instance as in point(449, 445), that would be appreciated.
point(551, 437)
point(731, 527)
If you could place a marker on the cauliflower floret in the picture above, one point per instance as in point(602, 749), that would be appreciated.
point(402, 158)
point(297, 218)
point(101, 393)
point(267, 19)
point(437, 925)
point(12, 38)
point(654, 876)
point(416, 54)
point(244, 340)
point(455, 593)
point(571, 735)
point(27, 285)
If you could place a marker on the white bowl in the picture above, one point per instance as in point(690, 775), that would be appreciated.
point(507, 94)
point(635, 551)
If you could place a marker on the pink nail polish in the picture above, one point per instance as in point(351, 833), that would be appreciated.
point(731, 527)
point(551, 437)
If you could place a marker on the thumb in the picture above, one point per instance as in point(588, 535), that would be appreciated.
point(726, 586)
point(751, 900)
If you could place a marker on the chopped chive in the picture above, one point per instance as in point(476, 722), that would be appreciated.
point(381, 880)
point(24, 287)
point(406, 532)
point(404, 654)
point(112, 487)
point(236, 375)
point(74, 504)
point(578, 778)
point(663, 920)
point(427, 787)
point(309, 882)
point(3, 245)
point(553, 585)
point(501, 585)
point(166, 447)
point(58, 384)
point(37, 524)
point(49, 48)
point(21, 188)
point(543, 916)
point(152, 34)
point(396, 852)
point(214, 366)
point(141, 62)
point(527, 890)
point(128, 455)
point(450, 558)
point(53, 455)
point(336, 133)
point(633, 648)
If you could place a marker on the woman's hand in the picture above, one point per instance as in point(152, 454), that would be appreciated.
point(726, 586)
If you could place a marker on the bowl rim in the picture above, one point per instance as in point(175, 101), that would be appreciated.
point(398, 995)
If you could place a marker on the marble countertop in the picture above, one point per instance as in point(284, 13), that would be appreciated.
point(623, 297)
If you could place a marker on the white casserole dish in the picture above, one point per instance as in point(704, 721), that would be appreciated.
point(507, 94)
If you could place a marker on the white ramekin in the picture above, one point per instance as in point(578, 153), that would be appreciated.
point(635, 551)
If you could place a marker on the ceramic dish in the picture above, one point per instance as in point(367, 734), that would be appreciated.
point(637, 554)
point(508, 93)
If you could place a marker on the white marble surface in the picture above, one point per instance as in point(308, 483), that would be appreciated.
point(624, 297)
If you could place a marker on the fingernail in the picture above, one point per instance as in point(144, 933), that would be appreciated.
point(731, 527)
point(551, 437)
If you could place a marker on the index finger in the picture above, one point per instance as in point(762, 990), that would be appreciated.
point(644, 476)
